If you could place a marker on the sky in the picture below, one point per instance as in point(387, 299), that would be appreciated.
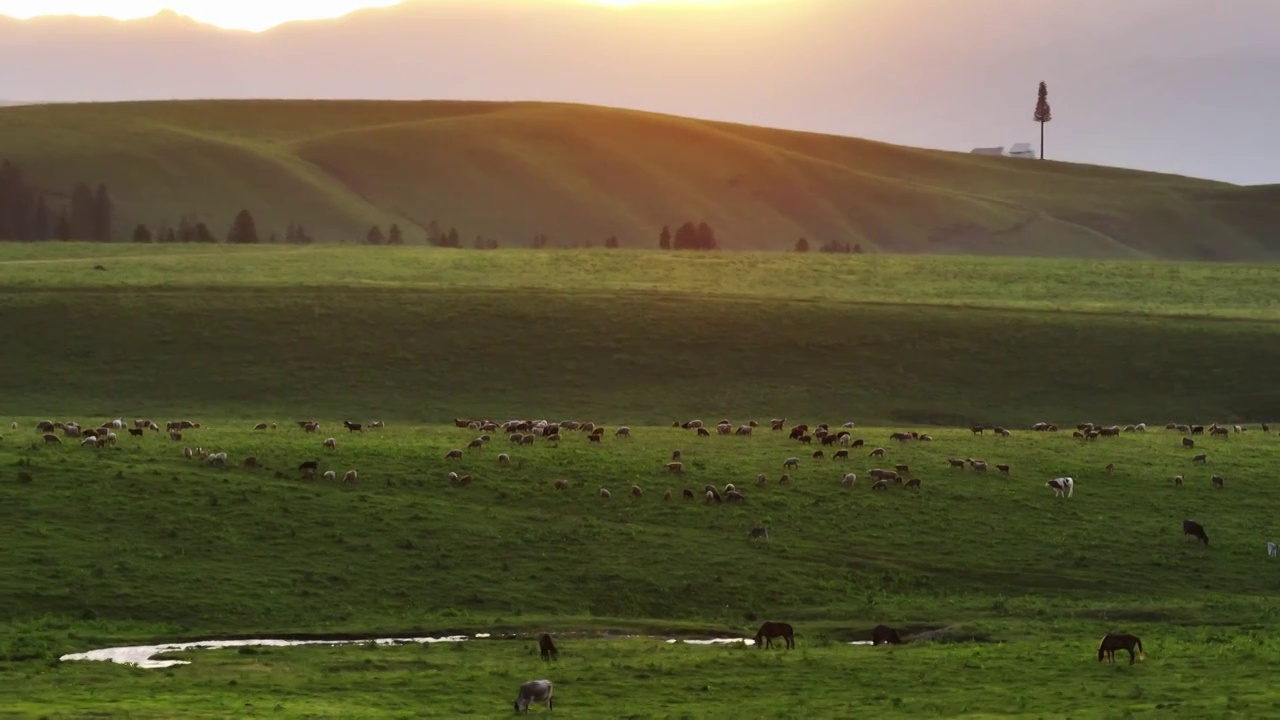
point(230, 14)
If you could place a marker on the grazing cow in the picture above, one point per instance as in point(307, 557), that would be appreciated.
point(1218, 481)
point(791, 463)
point(1201, 458)
point(331, 443)
point(758, 532)
point(675, 467)
point(1188, 442)
point(331, 476)
point(1062, 487)
point(877, 453)
point(1113, 642)
point(547, 648)
point(885, 635)
point(1193, 529)
point(534, 691)
point(453, 455)
point(771, 630)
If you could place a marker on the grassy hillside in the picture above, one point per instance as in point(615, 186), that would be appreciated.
point(581, 174)
point(422, 335)
point(135, 543)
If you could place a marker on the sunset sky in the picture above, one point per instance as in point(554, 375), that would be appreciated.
point(243, 14)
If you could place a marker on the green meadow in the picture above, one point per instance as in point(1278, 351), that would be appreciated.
point(1011, 586)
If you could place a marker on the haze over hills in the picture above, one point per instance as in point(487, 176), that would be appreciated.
point(581, 174)
point(1168, 85)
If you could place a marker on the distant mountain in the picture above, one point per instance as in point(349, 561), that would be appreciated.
point(1179, 86)
point(580, 174)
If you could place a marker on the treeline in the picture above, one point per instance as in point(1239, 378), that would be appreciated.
point(831, 246)
point(28, 214)
point(243, 230)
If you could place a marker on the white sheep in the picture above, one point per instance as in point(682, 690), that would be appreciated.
point(331, 443)
point(849, 479)
point(350, 477)
point(791, 463)
point(504, 459)
point(330, 475)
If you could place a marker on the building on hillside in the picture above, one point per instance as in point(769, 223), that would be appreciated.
point(1022, 150)
point(988, 151)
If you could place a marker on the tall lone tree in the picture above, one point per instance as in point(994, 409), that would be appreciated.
point(1043, 113)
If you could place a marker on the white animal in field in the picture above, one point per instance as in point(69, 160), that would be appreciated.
point(534, 691)
point(330, 475)
point(1271, 549)
point(1062, 487)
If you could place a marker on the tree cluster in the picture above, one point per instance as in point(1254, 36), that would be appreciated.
point(689, 237)
point(29, 214)
point(830, 246)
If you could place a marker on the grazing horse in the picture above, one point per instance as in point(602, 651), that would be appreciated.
point(885, 635)
point(534, 691)
point(771, 630)
point(547, 647)
point(1112, 642)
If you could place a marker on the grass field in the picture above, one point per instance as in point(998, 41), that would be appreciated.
point(136, 544)
point(581, 174)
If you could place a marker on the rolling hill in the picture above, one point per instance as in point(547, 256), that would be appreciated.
point(581, 174)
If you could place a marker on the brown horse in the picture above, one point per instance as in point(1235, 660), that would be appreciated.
point(1112, 642)
point(547, 647)
point(885, 635)
point(771, 630)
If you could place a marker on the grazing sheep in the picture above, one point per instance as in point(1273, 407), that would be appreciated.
point(858, 443)
point(840, 455)
point(666, 496)
point(1238, 429)
point(877, 453)
point(1218, 481)
point(376, 425)
point(913, 483)
point(688, 494)
point(636, 491)
point(562, 485)
point(330, 476)
point(309, 467)
point(89, 442)
point(186, 453)
point(733, 496)
point(175, 436)
point(594, 439)
point(712, 496)
point(1004, 469)
point(674, 467)
point(331, 443)
point(622, 431)
point(311, 428)
point(743, 430)
point(675, 455)
point(528, 439)
point(703, 432)
point(504, 459)
point(956, 463)
point(724, 428)
point(729, 487)
point(1111, 468)
point(515, 438)
point(849, 479)
point(463, 481)
point(1177, 481)
point(251, 462)
point(762, 480)
point(784, 480)
point(805, 439)
point(350, 477)
point(604, 494)
point(817, 454)
point(791, 463)
point(453, 455)
point(758, 532)
point(218, 459)
point(260, 426)
point(1202, 458)
point(777, 423)
point(880, 485)
point(534, 691)
point(904, 469)
point(475, 444)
